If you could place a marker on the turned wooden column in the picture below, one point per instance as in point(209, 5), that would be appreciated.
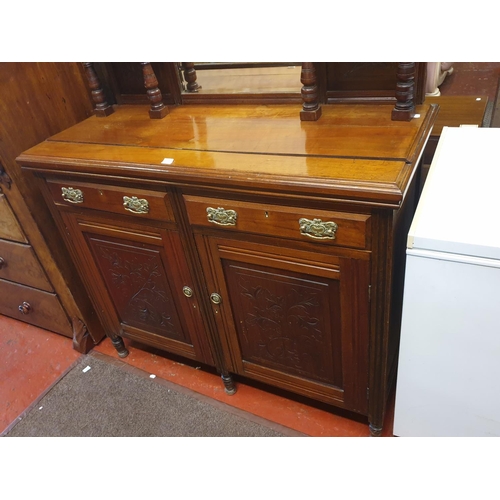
point(405, 104)
point(190, 77)
point(158, 109)
point(102, 108)
point(311, 109)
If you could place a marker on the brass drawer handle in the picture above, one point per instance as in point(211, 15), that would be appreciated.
point(221, 216)
point(215, 298)
point(318, 229)
point(72, 195)
point(2, 262)
point(136, 205)
point(25, 308)
point(188, 292)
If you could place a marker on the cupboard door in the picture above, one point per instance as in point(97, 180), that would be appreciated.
point(138, 277)
point(295, 319)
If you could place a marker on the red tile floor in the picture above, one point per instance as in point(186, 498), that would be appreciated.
point(32, 360)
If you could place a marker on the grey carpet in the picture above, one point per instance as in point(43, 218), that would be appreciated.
point(495, 120)
point(113, 399)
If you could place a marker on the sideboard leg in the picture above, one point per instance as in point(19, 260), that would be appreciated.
point(229, 385)
point(375, 431)
point(119, 346)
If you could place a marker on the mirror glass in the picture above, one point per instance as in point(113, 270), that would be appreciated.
point(243, 78)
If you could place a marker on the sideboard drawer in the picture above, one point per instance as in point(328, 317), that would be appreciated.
point(18, 263)
point(338, 228)
point(34, 306)
point(141, 203)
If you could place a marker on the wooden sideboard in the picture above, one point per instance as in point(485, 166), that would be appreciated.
point(241, 237)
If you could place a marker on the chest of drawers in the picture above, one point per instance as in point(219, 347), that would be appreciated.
point(245, 239)
point(26, 292)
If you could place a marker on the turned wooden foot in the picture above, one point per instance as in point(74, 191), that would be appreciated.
point(229, 386)
point(119, 346)
point(375, 431)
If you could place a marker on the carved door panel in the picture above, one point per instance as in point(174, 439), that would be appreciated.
point(138, 279)
point(295, 319)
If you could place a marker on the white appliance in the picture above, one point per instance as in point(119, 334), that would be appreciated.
point(449, 361)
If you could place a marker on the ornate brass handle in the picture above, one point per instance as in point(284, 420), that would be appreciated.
point(2, 262)
point(136, 205)
point(25, 308)
point(215, 298)
point(187, 291)
point(318, 229)
point(72, 195)
point(221, 216)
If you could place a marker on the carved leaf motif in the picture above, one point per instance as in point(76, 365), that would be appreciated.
point(140, 280)
point(287, 325)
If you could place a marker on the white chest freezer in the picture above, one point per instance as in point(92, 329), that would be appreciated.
point(448, 380)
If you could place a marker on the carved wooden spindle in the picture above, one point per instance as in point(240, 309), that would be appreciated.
point(102, 108)
point(158, 109)
point(404, 110)
point(311, 109)
point(190, 77)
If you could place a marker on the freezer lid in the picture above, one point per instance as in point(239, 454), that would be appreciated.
point(459, 209)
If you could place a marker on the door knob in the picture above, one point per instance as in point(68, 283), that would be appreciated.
point(187, 291)
point(2, 262)
point(215, 298)
point(25, 308)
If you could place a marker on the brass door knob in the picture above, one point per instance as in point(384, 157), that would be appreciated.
point(187, 291)
point(215, 298)
point(25, 308)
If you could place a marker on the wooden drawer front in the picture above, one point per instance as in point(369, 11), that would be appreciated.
point(140, 203)
point(9, 227)
point(40, 308)
point(342, 229)
point(18, 263)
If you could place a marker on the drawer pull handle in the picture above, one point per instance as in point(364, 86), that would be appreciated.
point(136, 205)
point(221, 216)
point(2, 262)
point(188, 292)
point(318, 229)
point(25, 308)
point(72, 195)
point(215, 298)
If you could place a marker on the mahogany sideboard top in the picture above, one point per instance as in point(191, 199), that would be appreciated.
point(355, 152)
